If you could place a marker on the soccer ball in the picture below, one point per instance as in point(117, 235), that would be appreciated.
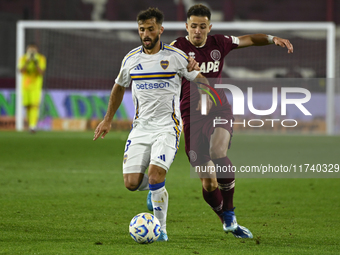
point(145, 228)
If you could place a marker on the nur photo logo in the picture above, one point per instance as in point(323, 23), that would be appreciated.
point(240, 101)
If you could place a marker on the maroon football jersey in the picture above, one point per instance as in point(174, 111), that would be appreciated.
point(210, 58)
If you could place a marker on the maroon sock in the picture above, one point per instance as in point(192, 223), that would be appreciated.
point(215, 200)
point(226, 181)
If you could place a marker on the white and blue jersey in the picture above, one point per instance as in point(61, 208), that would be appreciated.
point(156, 83)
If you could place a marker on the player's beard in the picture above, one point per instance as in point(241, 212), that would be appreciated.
point(152, 44)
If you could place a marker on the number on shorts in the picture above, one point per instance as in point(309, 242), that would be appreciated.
point(127, 145)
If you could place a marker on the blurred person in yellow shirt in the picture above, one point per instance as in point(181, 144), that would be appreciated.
point(32, 66)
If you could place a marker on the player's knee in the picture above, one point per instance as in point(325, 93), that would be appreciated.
point(131, 185)
point(155, 179)
point(156, 175)
point(217, 151)
point(209, 184)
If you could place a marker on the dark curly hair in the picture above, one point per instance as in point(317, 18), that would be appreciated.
point(151, 13)
point(199, 10)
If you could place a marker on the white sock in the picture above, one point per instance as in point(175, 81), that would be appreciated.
point(160, 199)
point(144, 185)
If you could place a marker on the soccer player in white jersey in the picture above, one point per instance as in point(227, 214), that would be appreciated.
point(155, 70)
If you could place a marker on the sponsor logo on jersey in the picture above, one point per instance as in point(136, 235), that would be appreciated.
point(162, 157)
point(164, 64)
point(206, 67)
point(138, 67)
point(191, 54)
point(153, 85)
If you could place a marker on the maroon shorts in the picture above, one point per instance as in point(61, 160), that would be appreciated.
point(197, 136)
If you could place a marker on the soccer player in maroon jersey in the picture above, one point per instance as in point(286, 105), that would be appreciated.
point(205, 145)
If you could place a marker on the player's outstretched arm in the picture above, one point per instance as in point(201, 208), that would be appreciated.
point(115, 100)
point(284, 43)
point(263, 39)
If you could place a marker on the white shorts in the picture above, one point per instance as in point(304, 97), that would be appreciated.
point(145, 147)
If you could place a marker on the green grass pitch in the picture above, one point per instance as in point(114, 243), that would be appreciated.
point(62, 193)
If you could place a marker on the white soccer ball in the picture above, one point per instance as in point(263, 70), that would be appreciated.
point(145, 228)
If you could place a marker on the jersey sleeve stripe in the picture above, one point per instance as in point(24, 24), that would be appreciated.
point(235, 40)
point(167, 47)
point(172, 43)
point(131, 53)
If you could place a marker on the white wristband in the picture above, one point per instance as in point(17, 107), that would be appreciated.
point(270, 39)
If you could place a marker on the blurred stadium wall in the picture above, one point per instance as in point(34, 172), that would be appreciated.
point(126, 10)
point(229, 10)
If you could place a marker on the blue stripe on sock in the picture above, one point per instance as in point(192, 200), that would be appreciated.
point(156, 186)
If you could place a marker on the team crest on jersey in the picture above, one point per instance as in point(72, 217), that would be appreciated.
point(215, 55)
point(164, 64)
point(192, 156)
point(125, 158)
point(191, 54)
